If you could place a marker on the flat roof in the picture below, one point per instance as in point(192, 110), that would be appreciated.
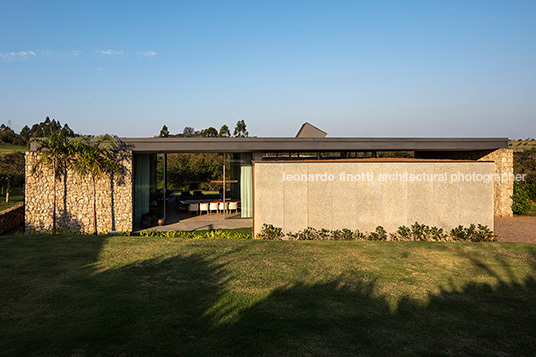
point(286, 144)
point(374, 160)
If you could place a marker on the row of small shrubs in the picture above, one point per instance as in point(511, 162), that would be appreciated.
point(215, 234)
point(417, 232)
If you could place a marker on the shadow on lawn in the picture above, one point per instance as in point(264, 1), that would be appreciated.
point(182, 305)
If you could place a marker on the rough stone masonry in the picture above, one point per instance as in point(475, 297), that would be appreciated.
point(74, 199)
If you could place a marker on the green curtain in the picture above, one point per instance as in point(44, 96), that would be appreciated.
point(246, 190)
point(142, 185)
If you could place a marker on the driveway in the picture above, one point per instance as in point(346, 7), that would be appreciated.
point(516, 229)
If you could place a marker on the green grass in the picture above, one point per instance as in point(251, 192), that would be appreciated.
point(532, 211)
point(8, 148)
point(16, 196)
point(85, 295)
point(522, 144)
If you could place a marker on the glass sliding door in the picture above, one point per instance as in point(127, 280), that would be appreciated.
point(241, 171)
point(144, 184)
point(246, 190)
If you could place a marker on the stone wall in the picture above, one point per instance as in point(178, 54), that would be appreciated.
point(74, 199)
point(11, 218)
point(504, 164)
point(503, 190)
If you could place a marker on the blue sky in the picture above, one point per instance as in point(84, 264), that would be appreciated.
point(352, 68)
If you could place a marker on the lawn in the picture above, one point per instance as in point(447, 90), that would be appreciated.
point(8, 148)
point(16, 196)
point(85, 295)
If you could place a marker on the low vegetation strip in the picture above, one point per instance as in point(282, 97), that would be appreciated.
point(416, 232)
point(86, 295)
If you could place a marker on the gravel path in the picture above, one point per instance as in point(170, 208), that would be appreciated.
point(516, 229)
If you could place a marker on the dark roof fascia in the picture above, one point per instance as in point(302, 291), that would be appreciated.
point(286, 144)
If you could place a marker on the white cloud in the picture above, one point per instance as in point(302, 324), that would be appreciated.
point(110, 52)
point(21, 55)
point(149, 53)
point(76, 53)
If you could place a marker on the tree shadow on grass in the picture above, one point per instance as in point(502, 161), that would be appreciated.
point(184, 305)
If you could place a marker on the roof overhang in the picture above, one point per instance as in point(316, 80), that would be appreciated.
point(286, 144)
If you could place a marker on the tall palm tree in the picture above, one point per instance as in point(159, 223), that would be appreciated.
point(95, 157)
point(56, 151)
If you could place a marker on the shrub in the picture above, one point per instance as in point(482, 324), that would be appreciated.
point(403, 233)
point(270, 232)
point(417, 232)
point(308, 233)
point(521, 202)
point(346, 234)
point(473, 234)
point(214, 234)
point(379, 234)
point(483, 234)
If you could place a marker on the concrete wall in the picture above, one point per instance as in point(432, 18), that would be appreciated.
point(74, 199)
point(364, 204)
point(504, 165)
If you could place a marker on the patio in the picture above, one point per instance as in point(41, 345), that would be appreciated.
point(184, 222)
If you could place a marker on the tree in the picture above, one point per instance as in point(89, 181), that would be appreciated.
point(224, 132)
point(56, 150)
point(25, 134)
point(240, 129)
point(96, 157)
point(210, 132)
point(164, 133)
point(188, 131)
point(67, 132)
point(7, 135)
point(11, 167)
point(525, 163)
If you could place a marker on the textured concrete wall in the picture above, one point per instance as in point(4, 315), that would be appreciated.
point(364, 204)
point(504, 165)
point(11, 218)
point(74, 199)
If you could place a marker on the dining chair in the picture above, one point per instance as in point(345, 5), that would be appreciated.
point(203, 207)
point(213, 206)
point(192, 207)
point(233, 206)
point(223, 206)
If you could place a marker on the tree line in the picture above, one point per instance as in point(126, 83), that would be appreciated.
point(38, 130)
point(240, 131)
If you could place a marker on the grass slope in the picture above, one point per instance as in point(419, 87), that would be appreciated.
point(522, 144)
point(64, 295)
point(8, 148)
point(16, 196)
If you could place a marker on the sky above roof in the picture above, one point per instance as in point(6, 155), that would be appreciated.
point(351, 68)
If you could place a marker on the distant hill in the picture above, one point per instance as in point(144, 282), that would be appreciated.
point(522, 144)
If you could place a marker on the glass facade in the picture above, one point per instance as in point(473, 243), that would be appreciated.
point(147, 197)
point(144, 185)
point(242, 190)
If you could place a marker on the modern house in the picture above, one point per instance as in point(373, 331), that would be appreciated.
point(297, 182)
